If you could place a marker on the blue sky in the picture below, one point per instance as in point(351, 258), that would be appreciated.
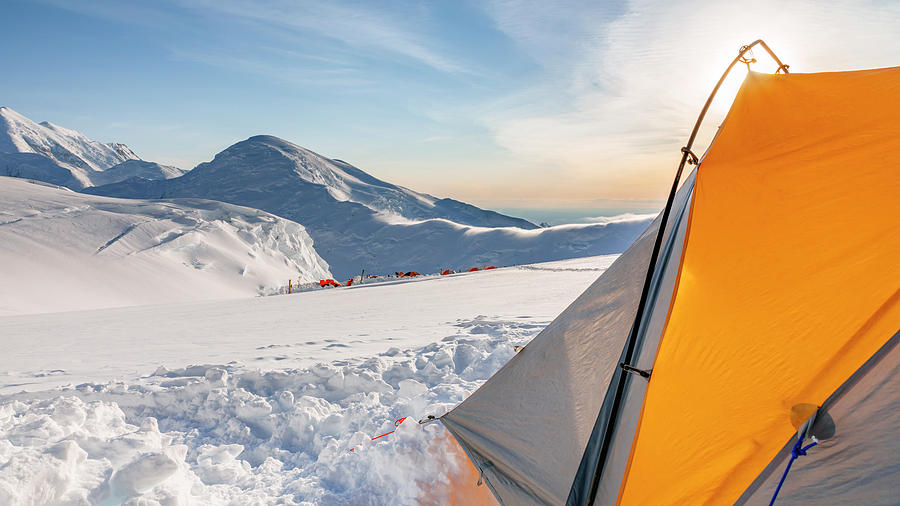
point(505, 103)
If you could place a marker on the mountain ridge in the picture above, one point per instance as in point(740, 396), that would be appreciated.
point(360, 222)
point(70, 158)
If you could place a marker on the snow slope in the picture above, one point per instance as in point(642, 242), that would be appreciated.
point(294, 383)
point(359, 222)
point(66, 157)
point(135, 169)
point(61, 250)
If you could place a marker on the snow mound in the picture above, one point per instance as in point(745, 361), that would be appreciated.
point(67, 157)
point(65, 251)
point(221, 434)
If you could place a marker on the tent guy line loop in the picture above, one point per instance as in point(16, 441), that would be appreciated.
point(634, 370)
point(691, 157)
point(797, 451)
point(745, 60)
point(396, 424)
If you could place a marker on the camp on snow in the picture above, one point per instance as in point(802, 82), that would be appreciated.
point(745, 348)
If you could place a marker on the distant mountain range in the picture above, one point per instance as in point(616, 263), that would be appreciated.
point(360, 222)
point(58, 155)
point(356, 220)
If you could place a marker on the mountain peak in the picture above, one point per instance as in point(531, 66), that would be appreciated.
point(267, 139)
point(63, 156)
point(271, 141)
point(10, 114)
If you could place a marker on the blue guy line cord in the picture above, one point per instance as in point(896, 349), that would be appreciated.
point(796, 452)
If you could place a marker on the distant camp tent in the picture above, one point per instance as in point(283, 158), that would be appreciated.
point(764, 333)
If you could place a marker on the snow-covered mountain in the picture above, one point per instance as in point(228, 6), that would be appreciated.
point(65, 250)
point(58, 155)
point(360, 222)
point(135, 169)
point(264, 161)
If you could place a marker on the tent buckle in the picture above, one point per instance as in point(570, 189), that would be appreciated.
point(634, 370)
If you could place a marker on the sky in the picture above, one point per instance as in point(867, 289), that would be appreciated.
point(511, 104)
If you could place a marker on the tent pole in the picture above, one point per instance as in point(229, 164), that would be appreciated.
point(687, 156)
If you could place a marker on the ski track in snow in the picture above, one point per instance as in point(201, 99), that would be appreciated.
point(277, 423)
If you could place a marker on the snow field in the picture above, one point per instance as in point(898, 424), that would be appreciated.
point(281, 332)
point(227, 435)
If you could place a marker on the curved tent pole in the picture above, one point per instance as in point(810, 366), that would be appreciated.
point(687, 156)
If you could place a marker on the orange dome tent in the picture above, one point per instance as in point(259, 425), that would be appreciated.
point(754, 326)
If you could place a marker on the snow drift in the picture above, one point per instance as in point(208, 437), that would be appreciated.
point(61, 250)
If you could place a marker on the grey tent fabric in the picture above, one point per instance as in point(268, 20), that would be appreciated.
point(648, 337)
point(555, 387)
point(858, 462)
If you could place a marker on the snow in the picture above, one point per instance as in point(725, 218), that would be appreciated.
point(135, 168)
point(66, 157)
point(141, 367)
point(261, 401)
point(359, 222)
point(64, 251)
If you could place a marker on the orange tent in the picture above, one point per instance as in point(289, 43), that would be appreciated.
point(751, 331)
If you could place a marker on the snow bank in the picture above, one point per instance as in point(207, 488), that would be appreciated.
point(63, 251)
point(227, 435)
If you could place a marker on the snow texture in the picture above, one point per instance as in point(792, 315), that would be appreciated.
point(359, 222)
point(62, 250)
point(58, 155)
point(296, 430)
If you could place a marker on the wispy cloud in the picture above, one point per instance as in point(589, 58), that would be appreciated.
point(331, 76)
point(623, 88)
point(355, 25)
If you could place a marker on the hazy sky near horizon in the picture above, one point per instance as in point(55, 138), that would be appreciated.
point(505, 103)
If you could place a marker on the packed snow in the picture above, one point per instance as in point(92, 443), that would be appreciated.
point(359, 222)
point(64, 251)
point(266, 400)
point(66, 157)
